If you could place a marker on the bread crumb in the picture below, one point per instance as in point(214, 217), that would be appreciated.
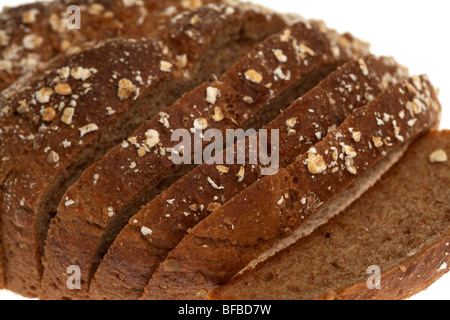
point(438, 156)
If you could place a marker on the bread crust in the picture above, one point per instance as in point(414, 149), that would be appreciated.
point(133, 258)
point(215, 251)
point(34, 34)
point(419, 262)
point(111, 104)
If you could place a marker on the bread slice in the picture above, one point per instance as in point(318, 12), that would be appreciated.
point(240, 102)
point(278, 210)
point(401, 225)
point(127, 82)
point(32, 35)
point(132, 259)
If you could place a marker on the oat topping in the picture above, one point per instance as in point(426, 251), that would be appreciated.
point(69, 202)
point(63, 89)
point(377, 142)
point(146, 231)
point(88, 129)
point(200, 124)
point(164, 119)
point(166, 66)
point(222, 169)
point(214, 185)
point(316, 163)
point(212, 94)
point(152, 138)
point(280, 55)
point(52, 157)
point(110, 212)
point(241, 174)
point(248, 99)
point(29, 17)
point(4, 38)
point(43, 95)
point(356, 135)
point(80, 73)
point(363, 66)
point(306, 49)
point(438, 156)
point(31, 41)
point(48, 114)
point(218, 114)
point(126, 89)
point(285, 36)
point(253, 76)
point(290, 123)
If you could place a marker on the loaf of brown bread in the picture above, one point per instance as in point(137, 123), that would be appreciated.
point(131, 260)
point(278, 210)
point(32, 35)
point(97, 99)
point(401, 226)
point(249, 94)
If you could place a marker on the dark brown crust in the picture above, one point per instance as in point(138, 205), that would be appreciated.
point(100, 20)
point(227, 241)
point(133, 258)
point(34, 172)
point(403, 275)
point(115, 169)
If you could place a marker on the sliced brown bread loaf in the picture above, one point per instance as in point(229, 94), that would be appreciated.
point(132, 259)
point(106, 93)
point(401, 225)
point(278, 210)
point(33, 34)
point(140, 168)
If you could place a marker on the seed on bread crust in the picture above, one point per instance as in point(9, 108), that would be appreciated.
point(438, 156)
point(253, 76)
point(316, 163)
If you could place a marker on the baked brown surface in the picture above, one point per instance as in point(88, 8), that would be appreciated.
point(281, 208)
point(130, 262)
point(153, 172)
point(402, 225)
point(133, 83)
point(32, 35)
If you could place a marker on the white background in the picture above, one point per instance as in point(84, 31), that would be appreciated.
point(414, 32)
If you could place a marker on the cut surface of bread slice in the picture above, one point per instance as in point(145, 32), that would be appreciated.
point(247, 95)
point(94, 101)
point(134, 257)
point(401, 226)
point(278, 210)
point(33, 34)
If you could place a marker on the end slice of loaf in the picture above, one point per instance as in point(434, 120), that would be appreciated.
point(132, 259)
point(125, 82)
point(401, 225)
point(278, 210)
point(32, 35)
point(132, 180)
